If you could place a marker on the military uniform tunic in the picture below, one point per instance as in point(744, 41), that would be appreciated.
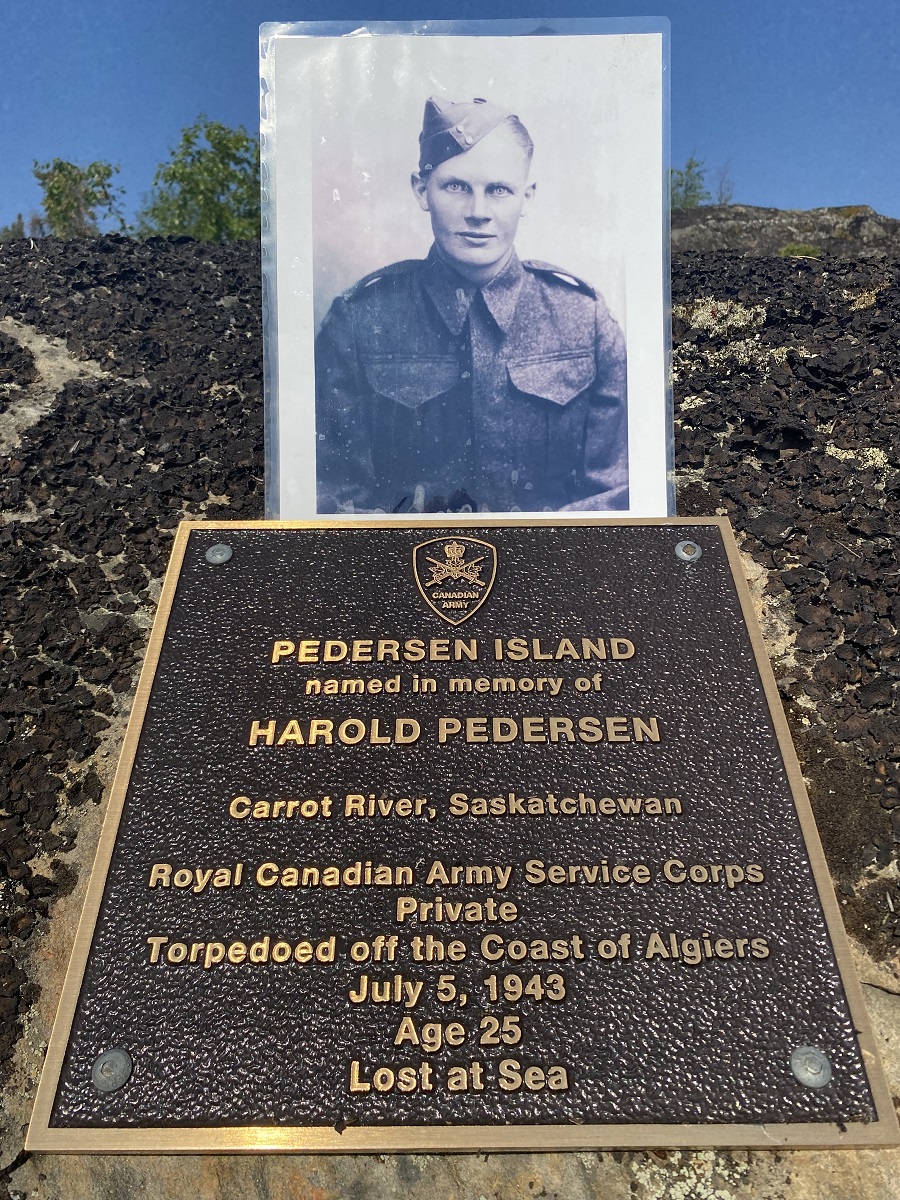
point(434, 393)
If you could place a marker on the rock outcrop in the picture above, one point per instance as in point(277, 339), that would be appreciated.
point(854, 232)
point(131, 398)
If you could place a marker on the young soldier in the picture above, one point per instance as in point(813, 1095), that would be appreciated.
point(470, 378)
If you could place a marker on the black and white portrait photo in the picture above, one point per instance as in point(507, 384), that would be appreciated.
point(468, 248)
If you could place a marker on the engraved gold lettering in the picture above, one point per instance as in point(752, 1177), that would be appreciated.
point(512, 1075)
point(414, 650)
point(439, 910)
point(358, 805)
point(433, 949)
point(646, 729)
point(565, 649)
point(383, 1079)
point(494, 947)
point(431, 1036)
point(156, 945)
point(282, 649)
point(533, 729)
point(731, 874)
point(258, 730)
point(318, 728)
point(590, 729)
point(504, 729)
point(215, 952)
point(290, 733)
point(609, 948)
point(210, 954)
point(621, 648)
point(448, 727)
point(561, 727)
point(496, 875)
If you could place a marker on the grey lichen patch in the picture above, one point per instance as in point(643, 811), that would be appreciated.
point(721, 318)
point(865, 458)
point(859, 300)
point(726, 335)
point(727, 323)
point(219, 390)
point(691, 1175)
point(774, 615)
point(745, 352)
point(56, 367)
point(742, 353)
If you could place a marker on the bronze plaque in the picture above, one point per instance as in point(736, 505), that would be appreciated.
point(431, 835)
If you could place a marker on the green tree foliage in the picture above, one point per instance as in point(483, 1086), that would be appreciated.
point(15, 229)
point(76, 198)
point(689, 185)
point(209, 188)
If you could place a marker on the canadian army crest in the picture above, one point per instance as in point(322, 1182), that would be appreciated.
point(455, 575)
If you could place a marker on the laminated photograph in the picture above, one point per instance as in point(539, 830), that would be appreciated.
point(465, 256)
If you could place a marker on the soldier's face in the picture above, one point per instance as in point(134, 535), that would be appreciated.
point(475, 201)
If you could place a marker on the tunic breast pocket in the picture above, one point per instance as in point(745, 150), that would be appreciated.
point(420, 417)
point(551, 400)
point(411, 381)
point(556, 377)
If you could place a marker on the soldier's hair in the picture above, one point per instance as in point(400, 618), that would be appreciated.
point(521, 134)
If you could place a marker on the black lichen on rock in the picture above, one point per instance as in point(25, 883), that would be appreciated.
point(787, 402)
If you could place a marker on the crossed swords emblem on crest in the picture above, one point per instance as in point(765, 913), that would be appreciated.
point(455, 568)
point(453, 588)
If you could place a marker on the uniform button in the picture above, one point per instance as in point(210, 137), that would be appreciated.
point(459, 129)
point(469, 140)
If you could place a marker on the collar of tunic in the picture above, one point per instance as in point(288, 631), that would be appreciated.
point(452, 295)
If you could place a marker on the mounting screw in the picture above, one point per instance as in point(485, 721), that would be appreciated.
point(810, 1066)
point(219, 554)
point(688, 551)
point(111, 1070)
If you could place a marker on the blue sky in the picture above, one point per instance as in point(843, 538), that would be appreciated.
point(799, 97)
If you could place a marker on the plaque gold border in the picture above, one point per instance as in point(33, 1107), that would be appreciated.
point(436, 1138)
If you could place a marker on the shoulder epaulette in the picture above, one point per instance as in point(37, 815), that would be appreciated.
point(388, 272)
point(542, 268)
